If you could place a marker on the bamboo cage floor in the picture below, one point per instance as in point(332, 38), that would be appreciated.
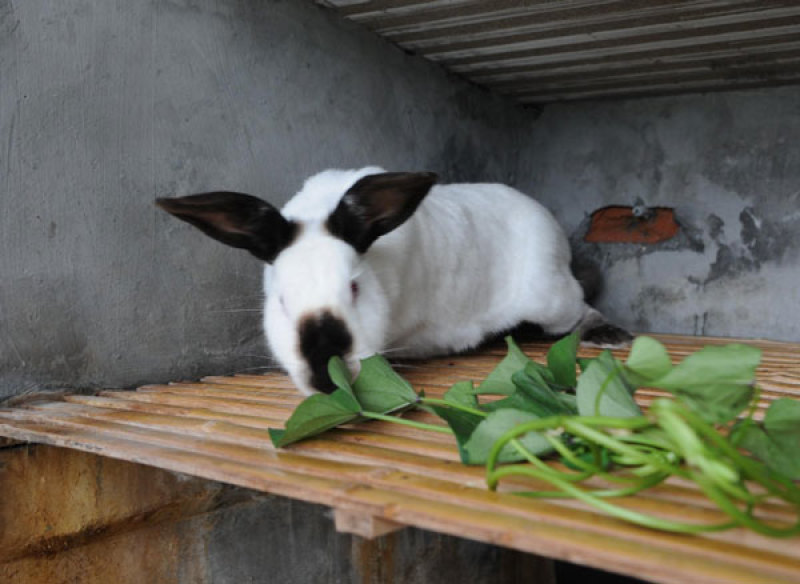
point(379, 477)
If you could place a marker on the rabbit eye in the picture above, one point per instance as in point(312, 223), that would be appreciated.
point(354, 289)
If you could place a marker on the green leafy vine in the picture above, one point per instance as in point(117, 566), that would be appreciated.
point(525, 414)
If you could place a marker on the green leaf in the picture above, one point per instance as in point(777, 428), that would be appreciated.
point(716, 403)
point(340, 374)
point(584, 362)
point(733, 363)
point(516, 401)
point(462, 393)
point(716, 381)
point(345, 399)
point(648, 360)
point(542, 400)
point(776, 441)
point(276, 435)
point(533, 394)
point(462, 424)
point(783, 417)
point(315, 415)
point(499, 380)
point(489, 430)
point(569, 401)
point(539, 371)
point(561, 360)
point(603, 391)
point(380, 389)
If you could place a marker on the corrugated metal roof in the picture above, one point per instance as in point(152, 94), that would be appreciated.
point(540, 51)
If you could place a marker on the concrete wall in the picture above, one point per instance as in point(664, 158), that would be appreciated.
point(729, 165)
point(128, 523)
point(106, 105)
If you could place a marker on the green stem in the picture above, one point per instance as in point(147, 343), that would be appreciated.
point(567, 422)
point(543, 466)
point(645, 483)
point(775, 483)
point(406, 422)
point(605, 493)
point(533, 426)
point(580, 429)
point(643, 441)
point(532, 459)
point(456, 406)
point(641, 480)
point(568, 455)
point(613, 510)
point(632, 423)
point(746, 519)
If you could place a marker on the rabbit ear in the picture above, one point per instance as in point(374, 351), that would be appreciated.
point(235, 219)
point(377, 204)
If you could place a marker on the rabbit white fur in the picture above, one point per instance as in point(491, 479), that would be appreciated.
point(467, 261)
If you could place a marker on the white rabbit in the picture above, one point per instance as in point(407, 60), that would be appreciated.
point(364, 261)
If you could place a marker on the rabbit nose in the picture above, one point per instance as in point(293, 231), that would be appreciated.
point(322, 336)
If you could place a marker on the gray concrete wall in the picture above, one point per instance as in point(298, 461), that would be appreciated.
point(106, 105)
point(729, 165)
point(291, 542)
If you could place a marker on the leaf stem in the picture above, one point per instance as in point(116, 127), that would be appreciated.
point(774, 483)
point(456, 406)
point(613, 510)
point(406, 422)
point(605, 493)
point(636, 456)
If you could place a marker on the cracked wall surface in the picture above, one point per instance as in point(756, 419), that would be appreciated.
point(729, 166)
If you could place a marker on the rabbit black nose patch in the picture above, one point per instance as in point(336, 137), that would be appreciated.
point(323, 336)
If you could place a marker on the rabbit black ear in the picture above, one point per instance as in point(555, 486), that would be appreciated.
point(377, 204)
point(235, 219)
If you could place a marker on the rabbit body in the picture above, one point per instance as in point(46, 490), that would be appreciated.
point(466, 261)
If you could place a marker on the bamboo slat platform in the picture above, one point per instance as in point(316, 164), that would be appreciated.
point(379, 477)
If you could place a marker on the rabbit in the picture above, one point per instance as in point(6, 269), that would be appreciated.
point(366, 261)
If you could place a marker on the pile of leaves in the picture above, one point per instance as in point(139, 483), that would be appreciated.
point(525, 412)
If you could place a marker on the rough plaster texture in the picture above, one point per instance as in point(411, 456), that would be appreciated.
point(728, 163)
point(106, 105)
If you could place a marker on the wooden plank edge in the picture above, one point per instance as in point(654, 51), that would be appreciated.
point(364, 525)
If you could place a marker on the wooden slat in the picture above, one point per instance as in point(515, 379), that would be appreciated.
point(380, 476)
